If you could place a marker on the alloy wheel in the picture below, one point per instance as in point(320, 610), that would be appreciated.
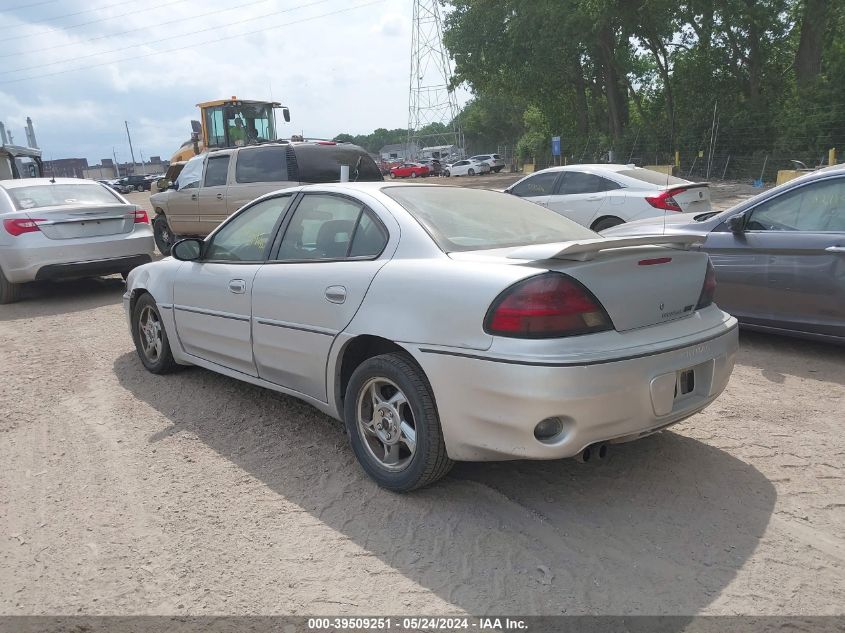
point(386, 423)
point(150, 334)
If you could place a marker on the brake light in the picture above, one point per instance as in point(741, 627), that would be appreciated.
point(665, 200)
point(550, 305)
point(708, 290)
point(19, 226)
point(141, 217)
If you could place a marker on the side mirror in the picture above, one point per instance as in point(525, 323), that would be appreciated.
point(187, 250)
point(286, 115)
point(736, 223)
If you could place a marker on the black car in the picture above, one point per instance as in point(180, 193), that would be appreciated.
point(136, 183)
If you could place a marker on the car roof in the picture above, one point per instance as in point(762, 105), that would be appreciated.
point(28, 182)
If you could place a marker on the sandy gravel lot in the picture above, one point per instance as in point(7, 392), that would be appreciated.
point(127, 493)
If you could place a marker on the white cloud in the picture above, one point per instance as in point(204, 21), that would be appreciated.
point(346, 72)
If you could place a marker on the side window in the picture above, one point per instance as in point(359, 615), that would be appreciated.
point(191, 173)
point(244, 238)
point(262, 164)
point(321, 228)
point(814, 207)
point(216, 170)
point(538, 185)
point(575, 182)
point(370, 238)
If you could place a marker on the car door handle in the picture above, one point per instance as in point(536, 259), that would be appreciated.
point(835, 249)
point(219, 196)
point(193, 196)
point(336, 294)
point(594, 197)
point(238, 286)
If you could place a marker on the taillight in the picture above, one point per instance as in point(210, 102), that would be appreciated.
point(665, 200)
point(708, 290)
point(19, 226)
point(550, 305)
point(141, 216)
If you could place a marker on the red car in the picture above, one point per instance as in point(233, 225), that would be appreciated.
point(409, 170)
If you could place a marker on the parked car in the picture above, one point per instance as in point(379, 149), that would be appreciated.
point(115, 185)
point(601, 196)
point(495, 161)
point(435, 168)
point(67, 227)
point(136, 183)
point(466, 167)
point(779, 257)
point(212, 186)
point(442, 323)
point(410, 170)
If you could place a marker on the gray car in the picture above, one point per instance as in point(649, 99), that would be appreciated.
point(779, 257)
point(67, 227)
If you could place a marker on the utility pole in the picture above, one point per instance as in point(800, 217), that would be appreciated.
point(131, 151)
point(116, 164)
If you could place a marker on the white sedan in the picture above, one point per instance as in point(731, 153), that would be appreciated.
point(466, 167)
point(601, 196)
point(442, 323)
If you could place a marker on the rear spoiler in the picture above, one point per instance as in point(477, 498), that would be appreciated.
point(691, 185)
point(583, 250)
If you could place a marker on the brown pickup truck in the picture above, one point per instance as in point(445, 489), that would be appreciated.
point(213, 185)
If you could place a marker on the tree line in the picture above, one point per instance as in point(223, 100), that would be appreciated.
point(641, 79)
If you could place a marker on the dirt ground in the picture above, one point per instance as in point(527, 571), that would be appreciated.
point(127, 493)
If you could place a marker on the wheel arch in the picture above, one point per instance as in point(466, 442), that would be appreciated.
point(356, 351)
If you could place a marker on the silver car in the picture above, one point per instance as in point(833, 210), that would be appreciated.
point(779, 257)
point(442, 323)
point(67, 227)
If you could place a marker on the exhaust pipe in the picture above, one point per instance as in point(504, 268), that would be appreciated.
point(593, 453)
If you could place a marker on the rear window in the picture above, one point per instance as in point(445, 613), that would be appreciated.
point(36, 196)
point(460, 219)
point(262, 164)
point(321, 163)
point(652, 177)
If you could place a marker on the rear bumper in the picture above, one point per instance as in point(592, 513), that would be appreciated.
point(91, 269)
point(24, 259)
point(489, 408)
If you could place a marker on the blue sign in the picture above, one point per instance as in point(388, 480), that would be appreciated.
point(555, 146)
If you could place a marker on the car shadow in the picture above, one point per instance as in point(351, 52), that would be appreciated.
point(782, 356)
point(662, 526)
point(51, 298)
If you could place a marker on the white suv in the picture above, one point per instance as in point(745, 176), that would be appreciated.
point(494, 160)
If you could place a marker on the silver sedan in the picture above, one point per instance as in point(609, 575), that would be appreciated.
point(442, 323)
point(67, 227)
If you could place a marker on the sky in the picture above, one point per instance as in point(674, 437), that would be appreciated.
point(339, 65)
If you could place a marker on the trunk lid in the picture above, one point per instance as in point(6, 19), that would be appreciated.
point(692, 198)
point(638, 286)
point(70, 222)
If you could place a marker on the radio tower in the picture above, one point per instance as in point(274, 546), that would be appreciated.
point(430, 99)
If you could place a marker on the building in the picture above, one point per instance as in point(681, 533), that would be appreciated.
point(66, 168)
point(399, 151)
point(443, 152)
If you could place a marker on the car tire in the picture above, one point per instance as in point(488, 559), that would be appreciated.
point(150, 337)
point(606, 222)
point(446, 173)
point(162, 234)
point(470, 172)
point(392, 175)
point(400, 469)
point(413, 174)
point(9, 292)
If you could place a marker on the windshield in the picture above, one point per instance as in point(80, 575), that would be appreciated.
point(460, 219)
point(37, 196)
point(652, 177)
point(236, 125)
